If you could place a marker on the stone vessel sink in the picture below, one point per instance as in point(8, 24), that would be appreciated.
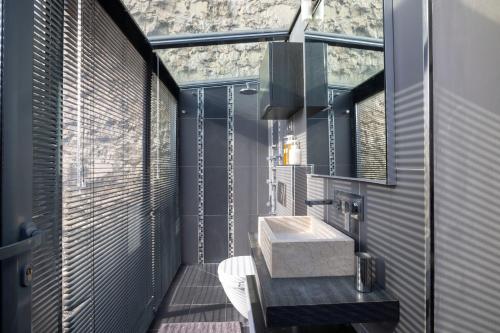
point(304, 246)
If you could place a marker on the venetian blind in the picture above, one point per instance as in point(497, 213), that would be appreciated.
point(47, 90)
point(371, 142)
point(164, 186)
point(112, 204)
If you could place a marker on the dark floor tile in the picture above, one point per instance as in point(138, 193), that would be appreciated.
point(232, 314)
point(199, 296)
point(209, 268)
point(196, 295)
point(208, 295)
point(209, 312)
point(171, 314)
point(198, 276)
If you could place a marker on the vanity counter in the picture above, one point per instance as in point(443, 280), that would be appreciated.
point(315, 301)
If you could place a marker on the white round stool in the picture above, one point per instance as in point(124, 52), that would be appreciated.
point(232, 274)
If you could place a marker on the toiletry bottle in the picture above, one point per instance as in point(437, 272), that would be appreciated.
point(285, 154)
point(286, 149)
point(294, 153)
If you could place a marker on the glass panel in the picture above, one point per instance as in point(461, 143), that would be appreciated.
point(371, 138)
point(174, 17)
point(349, 67)
point(360, 18)
point(215, 62)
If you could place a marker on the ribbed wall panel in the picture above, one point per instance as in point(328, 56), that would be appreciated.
point(119, 184)
point(47, 82)
point(466, 134)
point(393, 228)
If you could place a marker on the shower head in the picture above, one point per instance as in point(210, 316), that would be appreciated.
point(248, 91)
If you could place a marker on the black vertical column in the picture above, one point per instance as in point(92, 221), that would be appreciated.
point(215, 173)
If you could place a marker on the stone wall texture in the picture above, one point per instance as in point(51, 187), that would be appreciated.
point(174, 17)
point(361, 18)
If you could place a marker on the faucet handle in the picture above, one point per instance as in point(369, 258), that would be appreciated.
point(337, 203)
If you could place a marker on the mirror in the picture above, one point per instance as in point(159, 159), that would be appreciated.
point(349, 123)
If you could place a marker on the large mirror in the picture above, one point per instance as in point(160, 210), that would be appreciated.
point(348, 86)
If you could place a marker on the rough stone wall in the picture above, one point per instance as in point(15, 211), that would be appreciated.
point(362, 18)
point(351, 17)
point(214, 62)
point(174, 17)
point(349, 67)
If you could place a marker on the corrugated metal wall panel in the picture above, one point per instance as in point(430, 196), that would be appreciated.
point(47, 89)
point(466, 134)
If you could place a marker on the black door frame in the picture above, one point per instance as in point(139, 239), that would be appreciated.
point(16, 168)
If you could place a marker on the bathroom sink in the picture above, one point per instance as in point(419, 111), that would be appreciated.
point(304, 246)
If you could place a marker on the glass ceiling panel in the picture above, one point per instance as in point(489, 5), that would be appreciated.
point(176, 17)
point(349, 67)
point(214, 62)
point(361, 18)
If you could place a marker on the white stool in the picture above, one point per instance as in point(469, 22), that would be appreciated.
point(232, 275)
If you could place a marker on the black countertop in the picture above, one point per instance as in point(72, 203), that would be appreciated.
point(318, 301)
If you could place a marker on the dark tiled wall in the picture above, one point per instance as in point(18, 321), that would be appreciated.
point(215, 181)
point(251, 168)
point(188, 174)
point(250, 172)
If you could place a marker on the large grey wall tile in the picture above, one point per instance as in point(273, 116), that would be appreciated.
point(188, 190)
point(216, 102)
point(188, 150)
point(215, 191)
point(245, 141)
point(317, 137)
point(242, 226)
point(188, 102)
point(215, 142)
point(246, 105)
point(262, 191)
point(216, 246)
point(189, 231)
point(262, 143)
point(245, 190)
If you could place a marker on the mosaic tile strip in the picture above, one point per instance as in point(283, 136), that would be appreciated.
point(201, 162)
point(331, 134)
point(230, 170)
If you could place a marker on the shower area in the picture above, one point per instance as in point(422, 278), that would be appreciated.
point(223, 170)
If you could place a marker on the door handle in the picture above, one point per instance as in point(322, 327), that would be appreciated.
point(32, 238)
